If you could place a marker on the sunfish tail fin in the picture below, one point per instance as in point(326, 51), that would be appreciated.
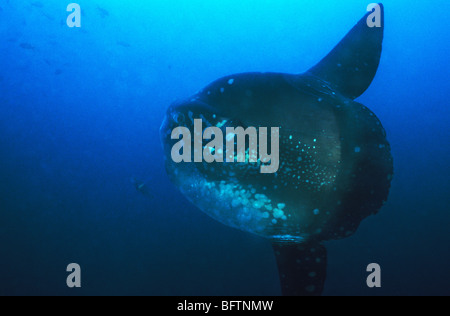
point(351, 66)
point(302, 268)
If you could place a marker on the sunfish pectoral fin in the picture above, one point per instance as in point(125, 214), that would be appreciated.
point(351, 66)
point(302, 268)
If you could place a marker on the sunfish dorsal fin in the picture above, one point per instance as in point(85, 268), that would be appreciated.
point(351, 66)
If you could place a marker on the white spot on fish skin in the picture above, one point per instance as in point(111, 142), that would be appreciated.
point(230, 82)
point(278, 213)
point(274, 221)
point(290, 137)
point(357, 149)
point(281, 206)
point(235, 203)
point(258, 204)
point(316, 211)
point(339, 65)
point(222, 90)
point(220, 124)
point(320, 99)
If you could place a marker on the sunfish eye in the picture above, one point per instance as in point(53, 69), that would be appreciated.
point(179, 118)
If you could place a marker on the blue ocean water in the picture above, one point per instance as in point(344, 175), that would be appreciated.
point(80, 111)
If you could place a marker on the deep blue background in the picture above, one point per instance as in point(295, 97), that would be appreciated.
point(80, 111)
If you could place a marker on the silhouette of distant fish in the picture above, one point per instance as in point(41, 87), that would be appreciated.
point(103, 13)
point(124, 44)
point(48, 16)
point(27, 46)
point(37, 4)
point(142, 187)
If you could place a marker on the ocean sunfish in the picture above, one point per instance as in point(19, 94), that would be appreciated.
point(335, 163)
